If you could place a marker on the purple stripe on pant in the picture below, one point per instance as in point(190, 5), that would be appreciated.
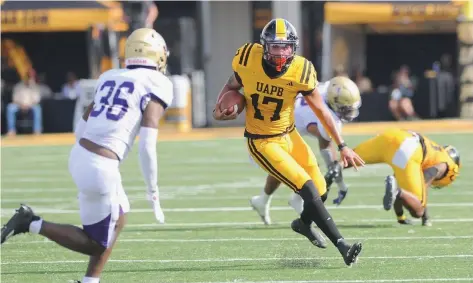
point(99, 231)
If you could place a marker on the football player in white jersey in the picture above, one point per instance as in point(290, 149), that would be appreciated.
point(343, 98)
point(127, 102)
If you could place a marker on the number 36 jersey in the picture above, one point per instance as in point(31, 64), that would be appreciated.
point(121, 96)
point(270, 101)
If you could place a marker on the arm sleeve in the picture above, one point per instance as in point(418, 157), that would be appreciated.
point(148, 157)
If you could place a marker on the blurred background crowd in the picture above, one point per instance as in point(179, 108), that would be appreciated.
point(410, 60)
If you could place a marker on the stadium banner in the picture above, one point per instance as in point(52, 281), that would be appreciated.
point(54, 16)
point(394, 12)
point(465, 63)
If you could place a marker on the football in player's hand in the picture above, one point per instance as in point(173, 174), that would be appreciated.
point(232, 99)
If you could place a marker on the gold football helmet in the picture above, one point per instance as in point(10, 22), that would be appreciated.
point(343, 97)
point(146, 47)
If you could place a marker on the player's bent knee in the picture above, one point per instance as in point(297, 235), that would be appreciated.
point(309, 192)
point(324, 197)
point(417, 213)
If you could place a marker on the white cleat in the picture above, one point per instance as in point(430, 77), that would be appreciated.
point(297, 203)
point(262, 208)
point(156, 205)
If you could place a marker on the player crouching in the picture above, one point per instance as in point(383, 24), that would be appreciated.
point(418, 163)
point(141, 92)
point(342, 97)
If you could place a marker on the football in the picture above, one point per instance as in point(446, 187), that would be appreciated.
point(232, 99)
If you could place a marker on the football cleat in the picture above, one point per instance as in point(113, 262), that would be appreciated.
point(350, 253)
point(406, 221)
point(426, 222)
point(309, 232)
point(334, 172)
point(156, 205)
point(297, 203)
point(19, 223)
point(340, 198)
point(390, 193)
point(261, 208)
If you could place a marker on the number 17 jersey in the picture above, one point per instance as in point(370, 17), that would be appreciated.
point(121, 96)
point(270, 101)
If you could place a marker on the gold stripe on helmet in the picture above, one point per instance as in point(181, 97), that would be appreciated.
point(280, 29)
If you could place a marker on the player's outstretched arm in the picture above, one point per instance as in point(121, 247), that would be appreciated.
point(233, 83)
point(148, 155)
point(316, 103)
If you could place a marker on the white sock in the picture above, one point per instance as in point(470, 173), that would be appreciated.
point(327, 156)
point(265, 197)
point(342, 186)
point(35, 226)
point(90, 280)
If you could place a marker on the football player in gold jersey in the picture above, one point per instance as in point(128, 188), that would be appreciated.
point(418, 163)
point(272, 75)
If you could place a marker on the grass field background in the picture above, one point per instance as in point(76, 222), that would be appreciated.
point(212, 235)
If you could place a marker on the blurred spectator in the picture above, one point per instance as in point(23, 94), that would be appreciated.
point(26, 97)
point(44, 90)
point(445, 85)
point(403, 90)
point(340, 71)
point(140, 14)
point(362, 81)
point(70, 89)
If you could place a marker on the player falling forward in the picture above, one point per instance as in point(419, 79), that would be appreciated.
point(418, 163)
point(127, 102)
point(272, 76)
point(342, 97)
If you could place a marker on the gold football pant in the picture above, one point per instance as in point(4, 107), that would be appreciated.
point(402, 151)
point(288, 159)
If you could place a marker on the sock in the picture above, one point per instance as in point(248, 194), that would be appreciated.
point(35, 225)
point(265, 197)
point(426, 215)
point(315, 209)
point(401, 217)
point(341, 186)
point(327, 156)
point(90, 280)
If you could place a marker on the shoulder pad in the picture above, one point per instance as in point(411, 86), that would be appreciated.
point(244, 55)
point(306, 76)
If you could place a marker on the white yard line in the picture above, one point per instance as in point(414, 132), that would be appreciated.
point(416, 257)
point(235, 208)
point(355, 281)
point(171, 195)
point(215, 240)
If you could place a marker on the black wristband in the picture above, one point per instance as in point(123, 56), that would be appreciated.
point(341, 146)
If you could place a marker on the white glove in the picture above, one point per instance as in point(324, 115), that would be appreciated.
point(156, 205)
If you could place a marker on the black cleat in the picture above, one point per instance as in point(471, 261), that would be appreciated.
point(18, 223)
point(350, 253)
point(426, 222)
point(406, 221)
point(334, 172)
point(309, 232)
point(390, 193)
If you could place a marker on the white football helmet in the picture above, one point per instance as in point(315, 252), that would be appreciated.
point(343, 97)
point(146, 47)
